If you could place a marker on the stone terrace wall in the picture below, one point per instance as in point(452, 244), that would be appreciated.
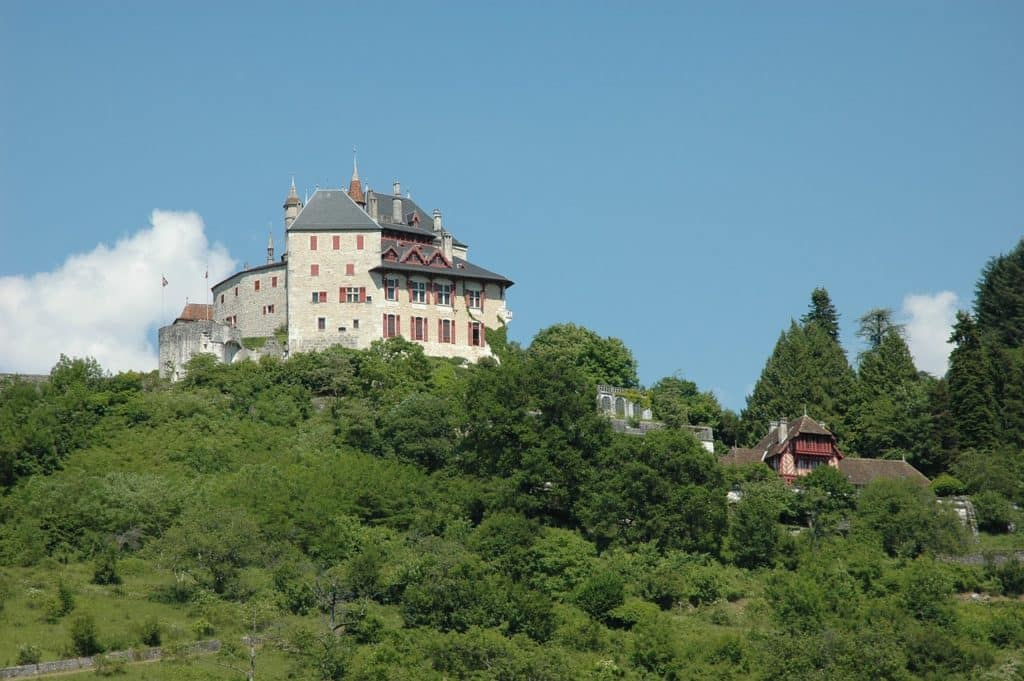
point(80, 663)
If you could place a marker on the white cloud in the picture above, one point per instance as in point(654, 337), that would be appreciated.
point(106, 303)
point(929, 321)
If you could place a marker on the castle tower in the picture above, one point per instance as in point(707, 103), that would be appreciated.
point(355, 188)
point(270, 248)
point(292, 206)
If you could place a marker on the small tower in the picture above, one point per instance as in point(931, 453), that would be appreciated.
point(355, 188)
point(292, 206)
point(270, 248)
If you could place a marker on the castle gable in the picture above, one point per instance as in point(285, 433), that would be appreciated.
point(332, 210)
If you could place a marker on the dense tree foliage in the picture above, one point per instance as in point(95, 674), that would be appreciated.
point(822, 313)
point(602, 360)
point(381, 514)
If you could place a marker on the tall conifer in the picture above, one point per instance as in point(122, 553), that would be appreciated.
point(971, 385)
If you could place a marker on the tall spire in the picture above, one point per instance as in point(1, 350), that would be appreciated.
point(270, 247)
point(355, 188)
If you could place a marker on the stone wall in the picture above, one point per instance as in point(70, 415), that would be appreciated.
point(81, 663)
point(181, 341)
point(255, 312)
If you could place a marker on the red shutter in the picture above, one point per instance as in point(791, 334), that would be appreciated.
point(440, 336)
point(359, 241)
point(341, 294)
point(384, 326)
point(362, 294)
point(426, 329)
point(398, 325)
point(483, 335)
point(337, 242)
point(453, 331)
point(469, 332)
point(312, 243)
point(350, 269)
point(408, 283)
point(483, 296)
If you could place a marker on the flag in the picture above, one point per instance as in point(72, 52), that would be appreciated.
point(163, 280)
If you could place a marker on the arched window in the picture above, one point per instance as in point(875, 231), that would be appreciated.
point(620, 407)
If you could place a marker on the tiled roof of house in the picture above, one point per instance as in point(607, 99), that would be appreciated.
point(804, 425)
point(196, 312)
point(862, 471)
point(741, 456)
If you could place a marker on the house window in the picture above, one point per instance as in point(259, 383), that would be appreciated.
point(222, 299)
point(336, 242)
point(476, 333)
point(350, 269)
point(444, 294)
point(418, 328)
point(808, 463)
point(390, 289)
point(268, 309)
point(446, 330)
point(417, 291)
point(256, 285)
point(319, 296)
point(314, 270)
point(273, 282)
point(391, 322)
point(359, 242)
point(312, 243)
point(352, 294)
point(236, 291)
point(355, 323)
point(473, 299)
point(321, 323)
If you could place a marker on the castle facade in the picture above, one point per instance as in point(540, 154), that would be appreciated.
point(358, 266)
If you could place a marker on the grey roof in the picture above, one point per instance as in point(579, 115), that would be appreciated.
point(333, 210)
point(409, 207)
point(270, 266)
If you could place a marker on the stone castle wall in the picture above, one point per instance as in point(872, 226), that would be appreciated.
point(256, 313)
point(181, 341)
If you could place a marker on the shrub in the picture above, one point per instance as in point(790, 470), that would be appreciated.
point(946, 486)
point(108, 666)
point(600, 594)
point(84, 639)
point(29, 654)
point(993, 511)
point(105, 571)
point(202, 628)
point(150, 632)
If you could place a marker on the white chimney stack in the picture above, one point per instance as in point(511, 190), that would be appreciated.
point(783, 429)
point(396, 203)
point(437, 220)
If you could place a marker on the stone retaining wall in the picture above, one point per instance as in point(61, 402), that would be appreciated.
point(82, 663)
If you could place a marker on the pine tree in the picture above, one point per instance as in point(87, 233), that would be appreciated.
point(875, 324)
point(891, 414)
point(807, 370)
point(823, 313)
point(999, 299)
point(971, 386)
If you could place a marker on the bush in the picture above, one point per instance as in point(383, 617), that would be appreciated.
point(149, 632)
point(108, 666)
point(84, 639)
point(946, 486)
point(600, 594)
point(993, 511)
point(29, 654)
point(105, 571)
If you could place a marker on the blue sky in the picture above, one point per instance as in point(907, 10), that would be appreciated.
point(678, 175)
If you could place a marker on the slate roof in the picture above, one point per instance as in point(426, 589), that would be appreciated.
point(279, 264)
point(862, 471)
point(461, 269)
point(409, 207)
point(195, 312)
point(331, 210)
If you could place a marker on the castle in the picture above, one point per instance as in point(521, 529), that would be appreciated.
point(358, 266)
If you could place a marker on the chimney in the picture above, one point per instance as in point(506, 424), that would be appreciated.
point(396, 204)
point(372, 197)
point(446, 243)
point(773, 426)
point(437, 221)
point(783, 429)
